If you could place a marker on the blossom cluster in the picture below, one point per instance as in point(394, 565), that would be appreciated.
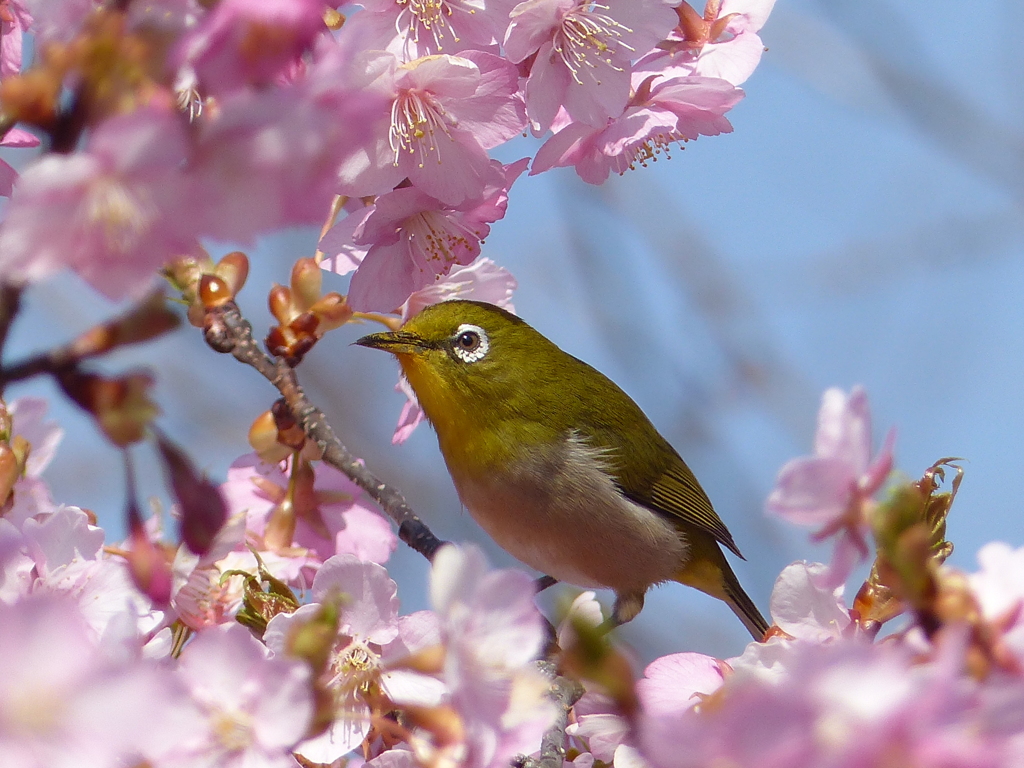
point(285, 641)
point(231, 669)
point(175, 122)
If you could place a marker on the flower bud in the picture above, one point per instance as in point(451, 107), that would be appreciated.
point(263, 439)
point(203, 509)
point(233, 269)
point(333, 311)
point(147, 320)
point(213, 291)
point(306, 283)
point(280, 302)
point(10, 471)
point(147, 563)
point(121, 406)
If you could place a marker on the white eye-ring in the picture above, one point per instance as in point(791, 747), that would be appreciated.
point(470, 343)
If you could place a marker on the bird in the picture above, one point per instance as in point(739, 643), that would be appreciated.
point(557, 464)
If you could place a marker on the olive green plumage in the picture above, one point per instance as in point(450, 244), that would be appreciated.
point(557, 463)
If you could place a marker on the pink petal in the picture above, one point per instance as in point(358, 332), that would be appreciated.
point(805, 609)
point(812, 491)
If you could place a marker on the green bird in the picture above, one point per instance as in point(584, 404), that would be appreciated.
point(558, 464)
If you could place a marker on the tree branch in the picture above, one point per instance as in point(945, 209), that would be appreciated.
point(565, 692)
point(227, 331)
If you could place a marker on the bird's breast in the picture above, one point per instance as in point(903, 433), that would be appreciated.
point(557, 509)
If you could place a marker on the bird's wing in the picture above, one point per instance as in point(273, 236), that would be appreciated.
point(677, 493)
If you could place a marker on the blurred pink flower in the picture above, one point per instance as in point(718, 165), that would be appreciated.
point(493, 633)
point(249, 42)
point(842, 704)
point(805, 609)
point(445, 113)
point(369, 623)
point(253, 708)
point(407, 240)
point(114, 213)
point(999, 588)
point(582, 54)
point(834, 487)
point(65, 703)
point(15, 137)
point(15, 20)
point(293, 138)
point(660, 112)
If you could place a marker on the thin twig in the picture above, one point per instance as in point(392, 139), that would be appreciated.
point(565, 692)
point(228, 331)
point(10, 304)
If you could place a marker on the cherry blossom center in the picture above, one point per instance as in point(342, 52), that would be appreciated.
point(588, 37)
point(439, 238)
point(431, 18)
point(123, 214)
point(415, 118)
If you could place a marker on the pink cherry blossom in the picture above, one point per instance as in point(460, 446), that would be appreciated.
point(407, 240)
point(425, 27)
point(721, 43)
point(342, 522)
point(660, 112)
point(292, 138)
point(803, 606)
point(65, 703)
point(445, 112)
point(483, 280)
point(114, 213)
point(582, 54)
point(999, 588)
point(369, 623)
point(15, 137)
point(253, 708)
point(241, 42)
point(833, 488)
point(493, 633)
point(676, 683)
point(15, 20)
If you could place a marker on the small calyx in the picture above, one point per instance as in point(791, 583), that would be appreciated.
point(303, 314)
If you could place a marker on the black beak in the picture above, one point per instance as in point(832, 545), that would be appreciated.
point(395, 342)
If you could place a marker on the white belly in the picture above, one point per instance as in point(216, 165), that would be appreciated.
point(559, 512)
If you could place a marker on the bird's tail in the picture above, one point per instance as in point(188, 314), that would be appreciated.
point(709, 571)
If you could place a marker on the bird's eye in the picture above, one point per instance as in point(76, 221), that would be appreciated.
point(470, 343)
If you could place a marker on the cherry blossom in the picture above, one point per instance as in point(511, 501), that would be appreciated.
point(493, 633)
point(252, 708)
point(834, 487)
point(369, 623)
point(407, 240)
point(240, 42)
point(721, 43)
point(414, 28)
point(15, 20)
point(583, 52)
point(15, 137)
point(445, 112)
point(340, 520)
point(660, 112)
point(64, 702)
point(114, 213)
